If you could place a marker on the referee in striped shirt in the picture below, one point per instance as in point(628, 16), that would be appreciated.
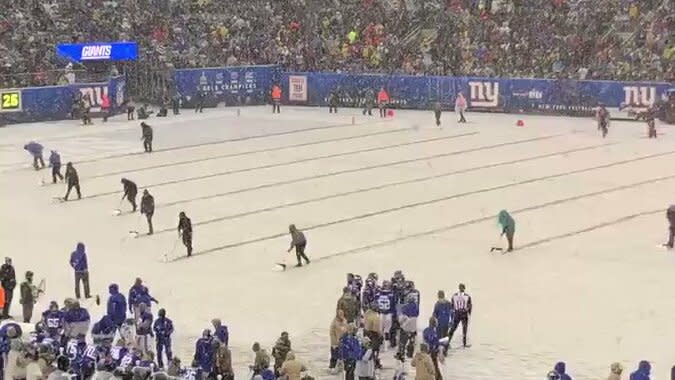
point(461, 310)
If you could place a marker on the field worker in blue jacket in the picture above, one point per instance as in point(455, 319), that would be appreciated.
point(204, 352)
point(76, 319)
point(55, 164)
point(138, 294)
point(643, 371)
point(163, 329)
point(78, 261)
point(117, 306)
point(443, 314)
point(350, 351)
point(35, 150)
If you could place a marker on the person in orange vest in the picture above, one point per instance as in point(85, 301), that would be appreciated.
point(276, 99)
point(382, 101)
point(2, 297)
point(105, 107)
point(460, 106)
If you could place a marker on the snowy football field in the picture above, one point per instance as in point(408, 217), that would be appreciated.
point(587, 283)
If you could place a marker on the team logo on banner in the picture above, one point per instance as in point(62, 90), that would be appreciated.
point(93, 96)
point(297, 88)
point(484, 94)
point(639, 96)
point(96, 52)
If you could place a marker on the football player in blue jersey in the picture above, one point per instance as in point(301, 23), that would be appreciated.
point(386, 307)
point(369, 291)
point(53, 320)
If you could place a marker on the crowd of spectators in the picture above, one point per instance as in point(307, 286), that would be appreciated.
point(600, 39)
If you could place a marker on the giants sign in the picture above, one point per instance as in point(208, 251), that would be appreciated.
point(93, 96)
point(484, 94)
point(639, 97)
point(636, 100)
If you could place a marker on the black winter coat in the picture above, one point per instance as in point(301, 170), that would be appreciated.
point(7, 277)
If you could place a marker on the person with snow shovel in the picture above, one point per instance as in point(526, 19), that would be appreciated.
point(508, 226)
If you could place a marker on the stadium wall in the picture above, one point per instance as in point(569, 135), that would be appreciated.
point(55, 102)
point(250, 85)
point(230, 86)
point(546, 96)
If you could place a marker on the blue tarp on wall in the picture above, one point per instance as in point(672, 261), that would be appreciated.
point(55, 102)
point(242, 85)
point(510, 95)
point(250, 85)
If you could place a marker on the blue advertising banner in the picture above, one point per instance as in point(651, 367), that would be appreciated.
point(93, 93)
point(404, 91)
point(56, 102)
point(566, 97)
point(570, 97)
point(250, 85)
point(104, 51)
point(241, 85)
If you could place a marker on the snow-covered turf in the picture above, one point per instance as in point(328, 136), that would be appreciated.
point(587, 283)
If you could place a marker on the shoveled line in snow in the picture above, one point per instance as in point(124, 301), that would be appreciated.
point(492, 217)
point(293, 162)
point(256, 151)
point(622, 219)
point(399, 183)
point(443, 199)
point(356, 170)
point(223, 141)
point(100, 134)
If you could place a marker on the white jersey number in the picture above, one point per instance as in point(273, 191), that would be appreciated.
point(384, 303)
point(91, 353)
point(53, 323)
point(127, 361)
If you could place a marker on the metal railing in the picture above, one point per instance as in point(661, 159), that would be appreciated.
point(147, 81)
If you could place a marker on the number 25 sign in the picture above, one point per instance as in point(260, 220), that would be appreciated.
point(10, 100)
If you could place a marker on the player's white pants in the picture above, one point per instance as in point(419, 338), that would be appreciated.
point(385, 323)
point(143, 343)
point(137, 311)
point(128, 333)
